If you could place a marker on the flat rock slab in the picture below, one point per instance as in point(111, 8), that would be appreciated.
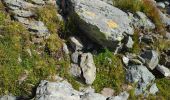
point(100, 21)
point(23, 13)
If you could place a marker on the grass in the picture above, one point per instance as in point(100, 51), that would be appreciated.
point(110, 72)
point(146, 6)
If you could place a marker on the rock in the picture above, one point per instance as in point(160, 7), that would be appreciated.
point(75, 57)
point(141, 75)
point(8, 97)
point(65, 49)
point(129, 43)
point(88, 68)
point(125, 60)
point(153, 89)
point(38, 2)
point(166, 3)
point(23, 13)
point(92, 96)
point(102, 22)
point(18, 4)
point(142, 21)
point(167, 35)
point(56, 91)
point(75, 43)
point(22, 20)
point(146, 38)
point(151, 58)
point(38, 28)
point(108, 1)
point(164, 19)
point(165, 71)
point(161, 5)
point(75, 70)
point(121, 96)
point(108, 92)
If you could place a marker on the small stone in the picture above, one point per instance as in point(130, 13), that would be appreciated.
point(39, 2)
point(108, 92)
point(125, 60)
point(161, 5)
point(165, 71)
point(129, 43)
point(88, 68)
point(23, 13)
point(76, 44)
point(65, 48)
point(153, 89)
point(75, 57)
point(151, 58)
point(75, 70)
point(121, 96)
point(167, 35)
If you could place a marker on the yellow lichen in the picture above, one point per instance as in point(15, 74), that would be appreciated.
point(112, 24)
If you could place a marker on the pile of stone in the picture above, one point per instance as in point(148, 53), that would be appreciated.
point(22, 11)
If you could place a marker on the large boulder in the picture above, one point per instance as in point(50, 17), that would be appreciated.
point(102, 22)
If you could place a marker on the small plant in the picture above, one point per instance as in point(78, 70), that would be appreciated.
point(110, 72)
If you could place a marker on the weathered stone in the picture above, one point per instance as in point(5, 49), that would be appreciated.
point(108, 92)
point(121, 96)
point(161, 5)
point(19, 3)
point(56, 91)
point(125, 60)
point(75, 70)
point(165, 71)
point(8, 97)
point(75, 57)
point(153, 89)
point(76, 44)
point(129, 43)
point(142, 21)
point(108, 1)
point(38, 28)
point(167, 35)
point(102, 22)
point(151, 58)
point(141, 75)
point(88, 67)
point(92, 96)
point(146, 39)
point(65, 49)
point(39, 2)
point(23, 13)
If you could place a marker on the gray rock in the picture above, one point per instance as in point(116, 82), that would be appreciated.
point(165, 71)
point(146, 38)
point(142, 21)
point(8, 97)
point(100, 21)
point(23, 13)
point(121, 96)
point(151, 58)
point(141, 75)
point(76, 43)
point(153, 89)
point(75, 70)
point(164, 19)
point(22, 20)
point(125, 60)
point(166, 3)
point(39, 2)
point(65, 49)
point(75, 57)
point(161, 5)
point(56, 91)
point(38, 28)
point(129, 43)
point(167, 35)
point(108, 1)
point(92, 96)
point(19, 3)
point(88, 68)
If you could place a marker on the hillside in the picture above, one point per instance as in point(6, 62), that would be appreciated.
point(84, 49)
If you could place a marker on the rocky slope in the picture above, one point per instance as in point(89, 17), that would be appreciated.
point(84, 49)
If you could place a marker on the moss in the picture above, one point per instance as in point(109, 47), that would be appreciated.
point(15, 59)
point(110, 72)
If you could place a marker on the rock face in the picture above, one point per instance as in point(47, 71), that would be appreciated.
point(102, 22)
point(63, 91)
point(88, 68)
